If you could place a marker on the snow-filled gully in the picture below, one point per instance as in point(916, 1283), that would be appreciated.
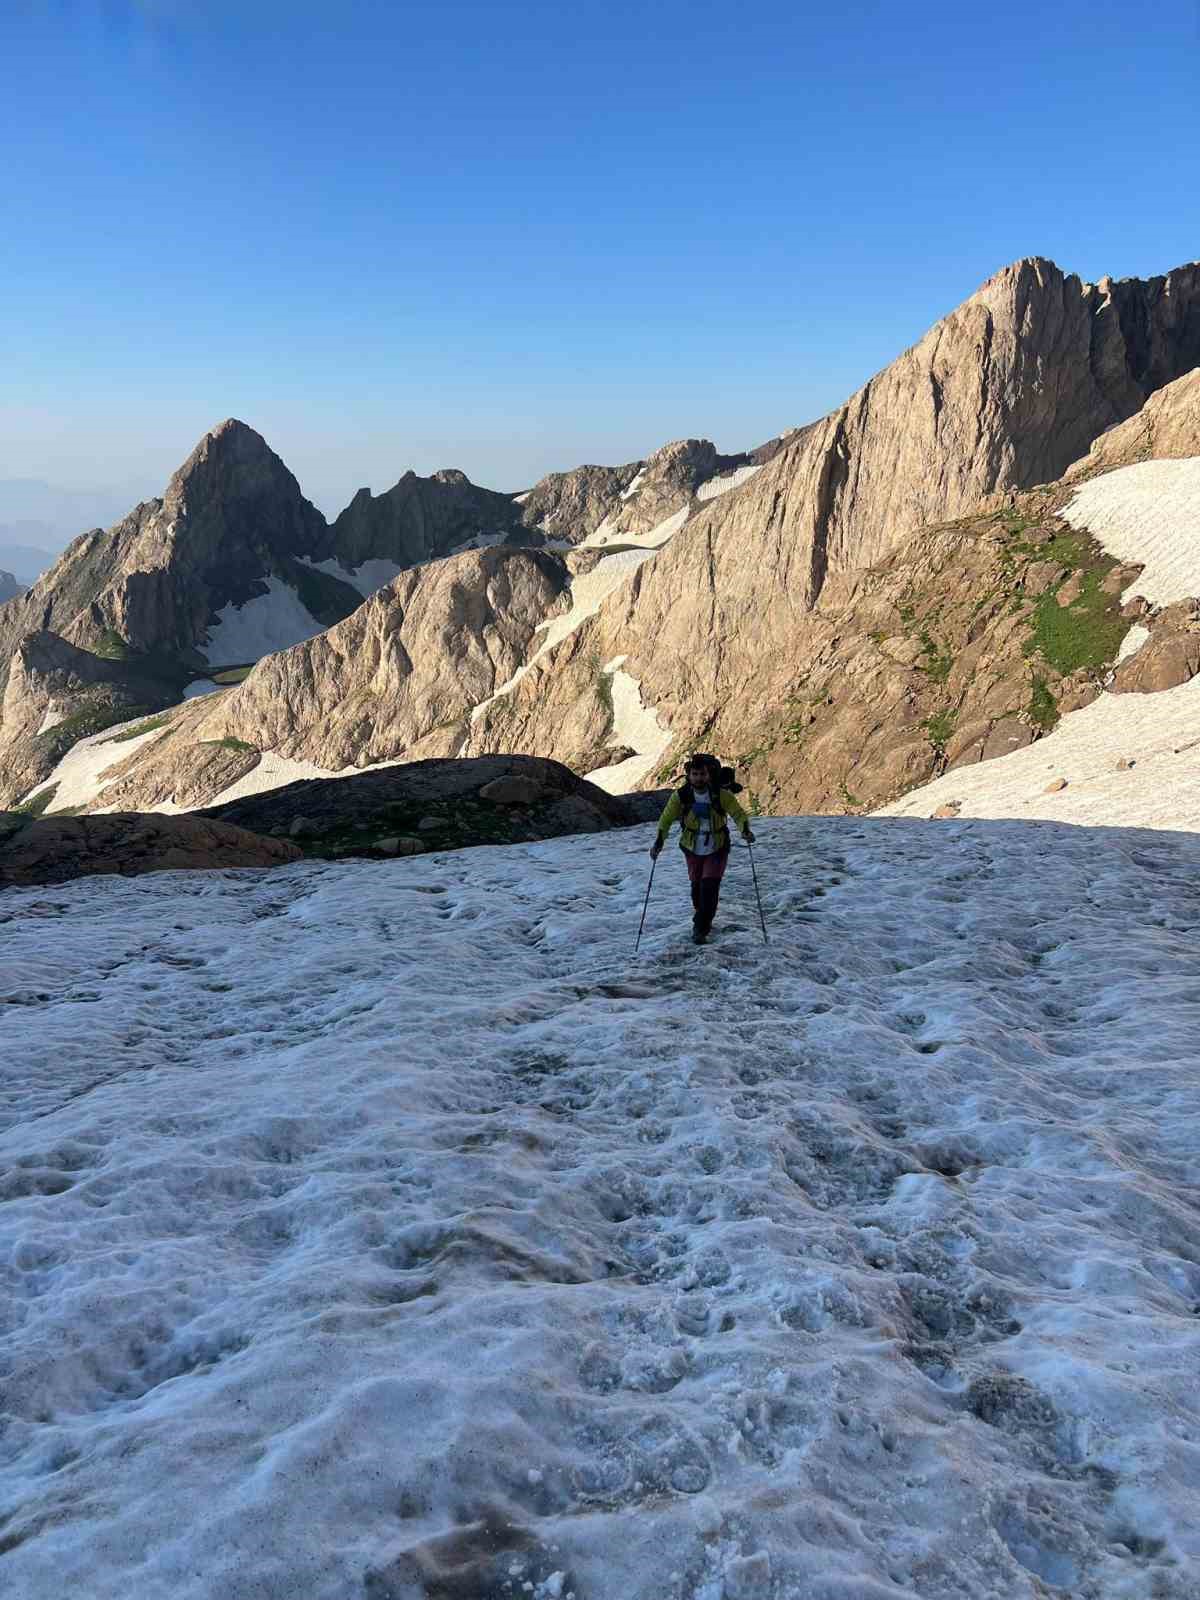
point(388, 1230)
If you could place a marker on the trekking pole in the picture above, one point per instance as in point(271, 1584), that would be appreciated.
point(642, 923)
point(757, 896)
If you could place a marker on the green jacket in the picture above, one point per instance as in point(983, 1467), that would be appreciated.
point(724, 803)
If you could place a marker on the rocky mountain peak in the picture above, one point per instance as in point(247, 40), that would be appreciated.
point(451, 475)
point(9, 587)
point(231, 462)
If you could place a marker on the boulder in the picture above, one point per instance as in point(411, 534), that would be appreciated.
point(944, 812)
point(1163, 662)
point(400, 845)
point(1055, 785)
point(56, 849)
point(513, 791)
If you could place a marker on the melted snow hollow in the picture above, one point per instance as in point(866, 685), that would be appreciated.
point(384, 1231)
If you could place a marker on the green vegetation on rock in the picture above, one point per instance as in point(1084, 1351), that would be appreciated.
point(112, 646)
point(137, 731)
point(1043, 708)
point(230, 743)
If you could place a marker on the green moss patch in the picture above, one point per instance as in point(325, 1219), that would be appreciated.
point(230, 743)
point(1087, 633)
point(82, 724)
point(37, 805)
point(229, 675)
point(138, 730)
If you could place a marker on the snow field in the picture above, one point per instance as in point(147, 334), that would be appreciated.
point(609, 533)
point(1150, 513)
point(858, 1265)
point(722, 485)
point(270, 622)
point(80, 773)
point(1159, 732)
point(368, 577)
point(634, 724)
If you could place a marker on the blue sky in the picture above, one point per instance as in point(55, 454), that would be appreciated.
point(513, 237)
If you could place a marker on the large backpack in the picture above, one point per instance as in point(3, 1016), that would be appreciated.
point(723, 778)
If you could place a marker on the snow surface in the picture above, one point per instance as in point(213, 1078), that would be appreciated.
point(1160, 733)
point(634, 485)
point(270, 622)
point(609, 533)
point(858, 1265)
point(1150, 513)
point(198, 687)
point(731, 480)
point(634, 724)
point(79, 775)
point(367, 578)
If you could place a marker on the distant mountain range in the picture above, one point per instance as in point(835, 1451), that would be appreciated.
point(782, 604)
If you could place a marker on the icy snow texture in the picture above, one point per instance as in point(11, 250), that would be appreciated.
point(199, 686)
point(1148, 513)
point(273, 621)
point(862, 1264)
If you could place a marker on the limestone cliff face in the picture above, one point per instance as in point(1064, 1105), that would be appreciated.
point(1004, 393)
point(410, 661)
point(1167, 426)
point(56, 694)
point(609, 502)
point(419, 519)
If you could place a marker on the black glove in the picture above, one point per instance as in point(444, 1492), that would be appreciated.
point(747, 835)
point(656, 850)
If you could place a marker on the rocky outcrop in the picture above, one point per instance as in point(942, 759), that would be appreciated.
point(572, 505)
point(57, 849)
point(409, 664)
point(432, 805)
point(231, 518)
point(419, 519)
point(1005, 392)
point(9, 587)
point(57, 694)
point(1167, 426)
point(608, 503)
point(1169, 657)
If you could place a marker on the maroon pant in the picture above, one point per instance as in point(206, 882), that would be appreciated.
point(706, 873)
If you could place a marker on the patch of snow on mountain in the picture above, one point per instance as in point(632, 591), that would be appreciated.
point(274, 771)
point(862, 1263)
point(634, 724)
point(731, 480)
point(609, 533)
point(1133, 641)
point(270, 622)
point(627, 494)
point(1160, 733)
point(79, 775)
point(367, 578)
point(51, 719)
point(520, 499)
point(1149, 512)
point(199, 686)
point(589, 590)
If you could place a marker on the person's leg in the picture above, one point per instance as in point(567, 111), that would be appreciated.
point(695, 865)
point(710, 888)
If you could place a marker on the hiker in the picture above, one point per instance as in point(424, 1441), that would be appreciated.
point(701, 807)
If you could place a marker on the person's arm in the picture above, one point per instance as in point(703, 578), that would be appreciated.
point(732, 807)
point(671, 812)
